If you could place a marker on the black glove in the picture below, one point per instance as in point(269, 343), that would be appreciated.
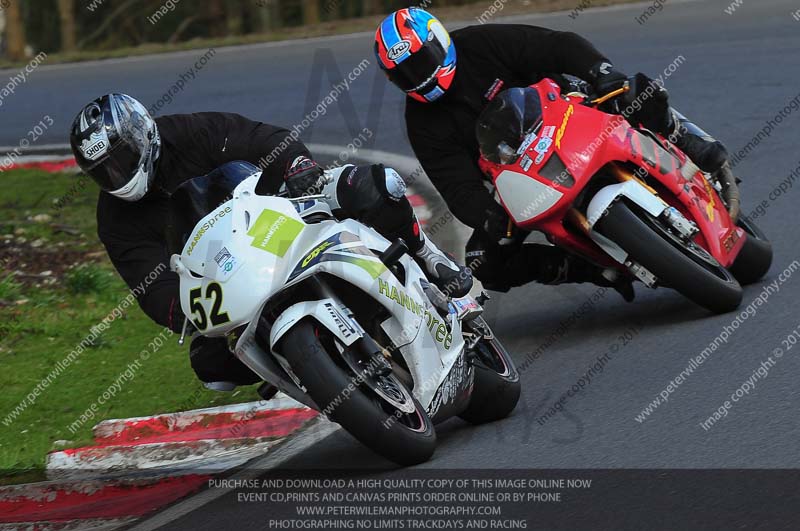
point(646, 103)
point(606, 79)
point(496, 224)
point(303, 177)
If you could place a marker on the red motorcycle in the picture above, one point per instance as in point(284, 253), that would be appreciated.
point(621, 197)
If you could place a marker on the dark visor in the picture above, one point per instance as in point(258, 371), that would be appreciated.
point(414, 72)
point(197, 197)
point(116, 168)
point(505, 122)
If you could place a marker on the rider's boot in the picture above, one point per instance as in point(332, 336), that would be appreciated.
point(558, 267)
point(217, 367)
point(501, 268)
point(578, 270)
point(705, 151)
point(453, 279)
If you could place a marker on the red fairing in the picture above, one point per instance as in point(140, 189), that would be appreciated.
point(587, 140)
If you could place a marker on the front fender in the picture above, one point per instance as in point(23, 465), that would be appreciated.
point(328, 312)
point(606, 197)
point(632, 190)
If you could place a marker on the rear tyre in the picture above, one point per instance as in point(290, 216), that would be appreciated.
point(685, 267)
point(406, 439)
point(755, 258)
point(496, 386)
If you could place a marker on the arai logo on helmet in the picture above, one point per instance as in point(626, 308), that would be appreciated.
point(398, 50)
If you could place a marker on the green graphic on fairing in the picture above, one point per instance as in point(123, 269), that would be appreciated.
point(274, 232)
point(370, 266)
point(437, 325)
point(352, 255)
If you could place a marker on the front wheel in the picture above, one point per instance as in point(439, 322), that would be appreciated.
point(496, 387)
point(683, 266)
point(391, 422)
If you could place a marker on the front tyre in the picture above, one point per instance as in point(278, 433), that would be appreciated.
point(496, 386)
point(405, 437)
point(683, 266)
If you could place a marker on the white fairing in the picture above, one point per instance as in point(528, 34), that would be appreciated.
point(252, 247)
point(525, 198)
point(606, 197)
point(329, 312)
point(632, 190)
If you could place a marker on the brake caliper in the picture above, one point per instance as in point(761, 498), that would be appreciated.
point(686, 228)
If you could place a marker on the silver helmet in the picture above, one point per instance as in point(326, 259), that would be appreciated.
point(116, 142)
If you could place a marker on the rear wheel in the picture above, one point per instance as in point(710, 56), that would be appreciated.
point(755, 258)
point(683, 266)
point(388, 419)
point(496, 387)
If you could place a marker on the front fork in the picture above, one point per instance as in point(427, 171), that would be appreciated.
point(685, 228)
point(670, 216)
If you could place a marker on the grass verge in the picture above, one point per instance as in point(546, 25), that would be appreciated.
point(55, 284)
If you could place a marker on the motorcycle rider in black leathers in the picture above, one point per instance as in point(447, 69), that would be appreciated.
point(449, 79)
point(139, 161)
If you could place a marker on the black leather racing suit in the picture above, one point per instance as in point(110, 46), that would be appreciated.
point(134, 233)
point(491, 58)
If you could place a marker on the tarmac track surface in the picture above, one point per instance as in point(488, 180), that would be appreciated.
point(738, 71)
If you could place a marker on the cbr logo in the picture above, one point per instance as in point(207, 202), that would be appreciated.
point(563, 128)
point(313, 254)
point(398, 50)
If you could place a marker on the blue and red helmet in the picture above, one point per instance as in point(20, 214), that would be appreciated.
point(417, 53)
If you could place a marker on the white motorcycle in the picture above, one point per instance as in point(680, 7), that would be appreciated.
point(334, 315)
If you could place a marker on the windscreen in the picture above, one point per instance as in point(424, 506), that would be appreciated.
point(197, 197)
point(506, 121)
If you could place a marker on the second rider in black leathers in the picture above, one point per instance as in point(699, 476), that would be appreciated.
point(450, 78)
